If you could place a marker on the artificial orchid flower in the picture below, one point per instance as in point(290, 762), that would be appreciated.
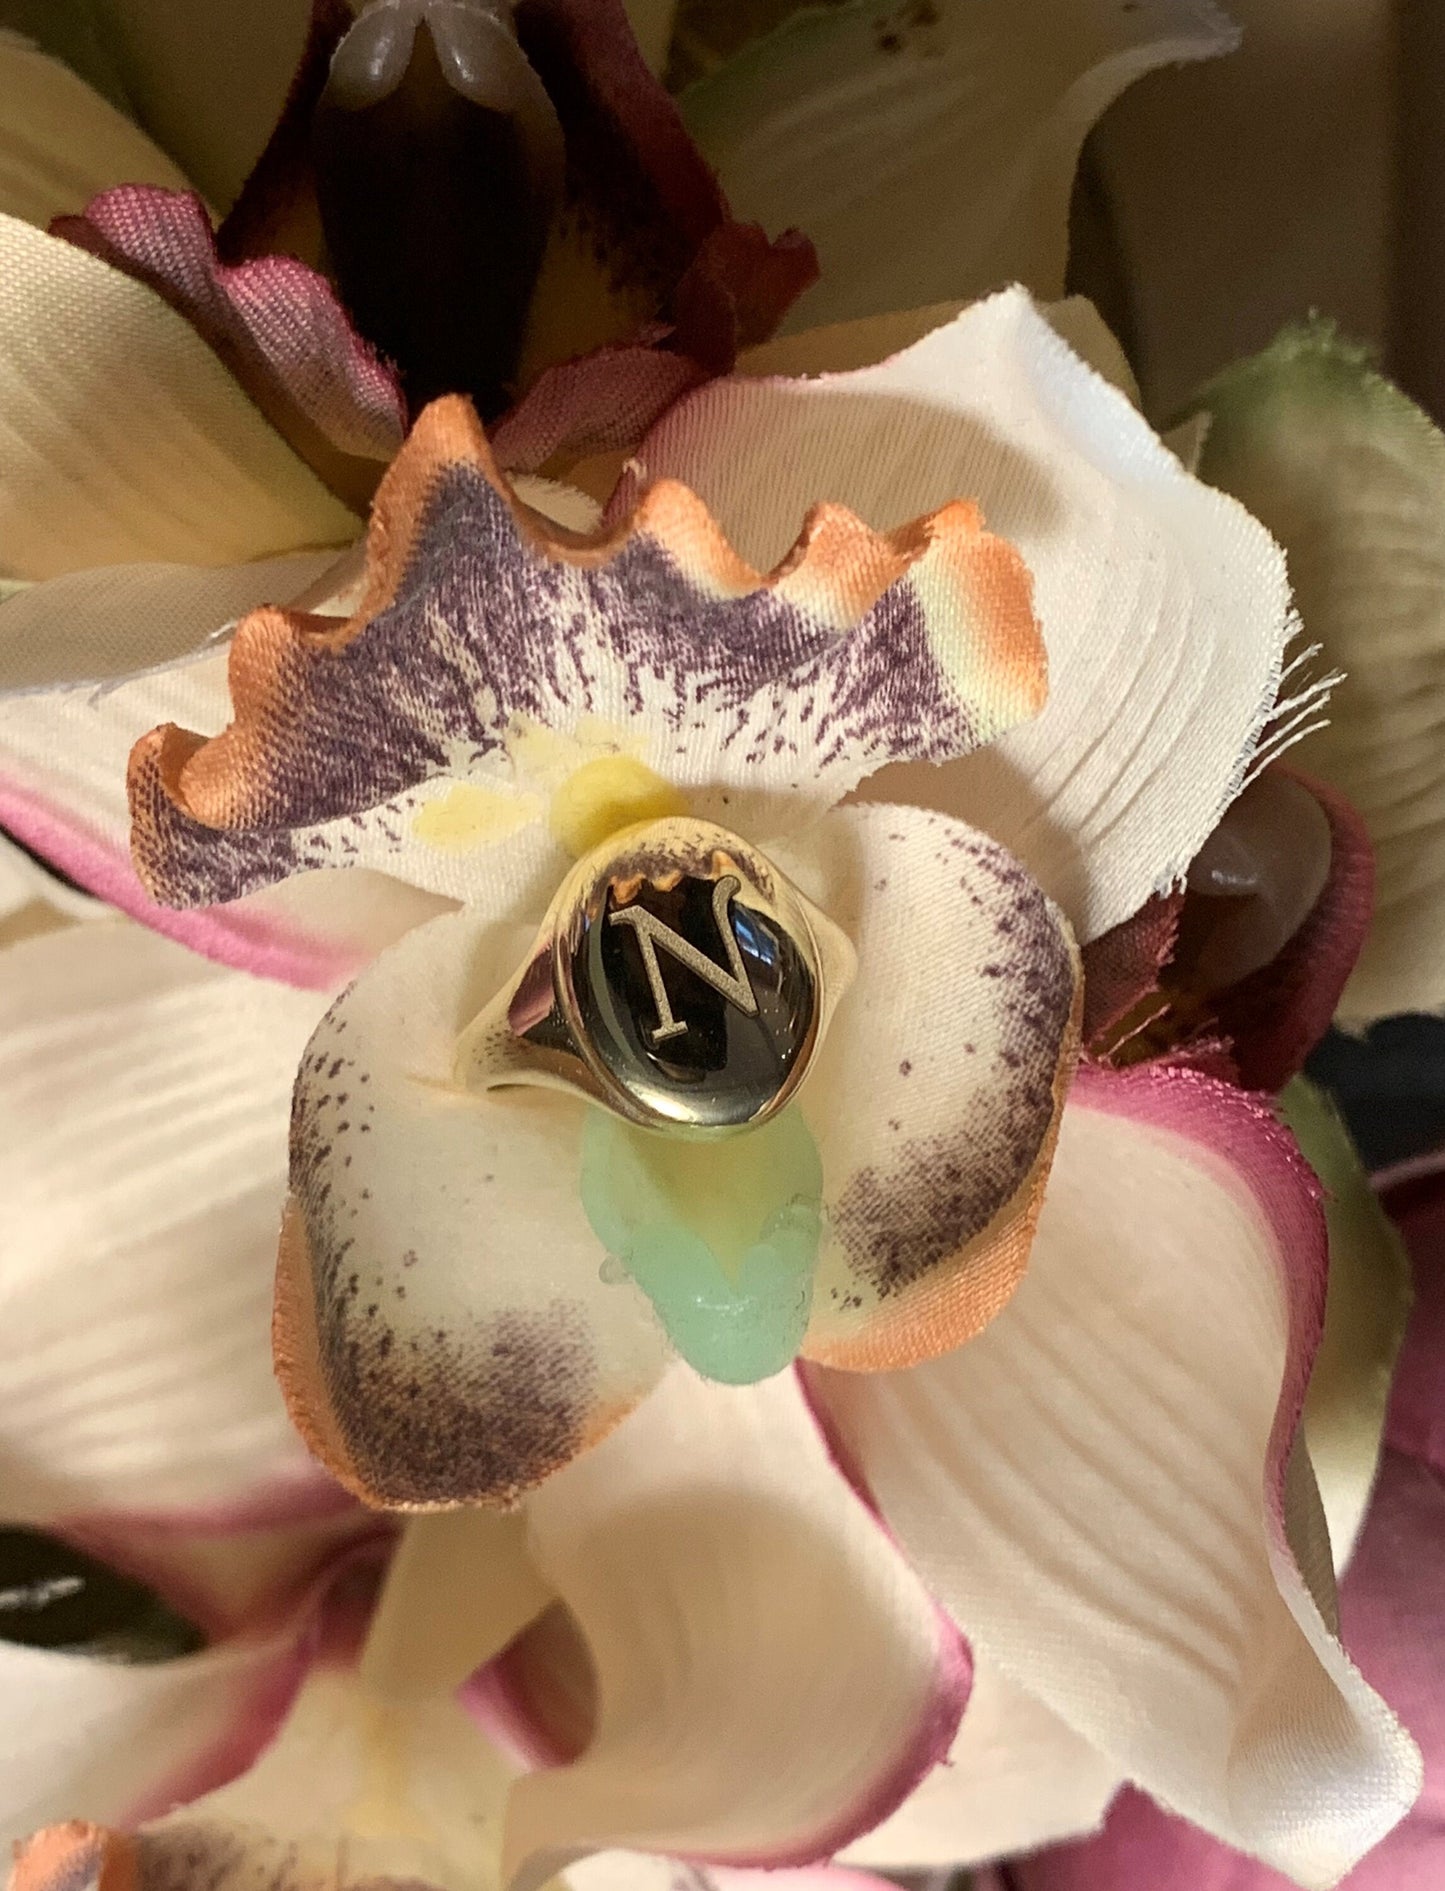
point(1391, 1602)
point(438, 1347)
point(506, 1336)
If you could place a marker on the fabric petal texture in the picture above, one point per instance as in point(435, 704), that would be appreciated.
point(88, 663)
point(936, 1098)
point(1159, 1346)
point(764, 695)
point(735, 1720)
point(1350, 476)
point(845, 119)
point(61, 142)
point(276, 325)
point(122, 437)
point(443, 1333)
point(144, 1095)
point(1016, 1777)
point(1164, 607)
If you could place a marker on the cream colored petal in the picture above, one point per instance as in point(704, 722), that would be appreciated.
point(121, 435)
point(1016, 1777)
point(61, 143)
point(1365, 1312)
point(1350, 477)
point(208, 81)
point(930, 151)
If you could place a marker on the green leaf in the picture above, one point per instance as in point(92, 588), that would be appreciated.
point(1366, 1307)
point(1349, 475)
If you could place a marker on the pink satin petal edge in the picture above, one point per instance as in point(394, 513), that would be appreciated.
point(1236, 1132)
point(272, 317)
point(237, 937)
point(603, 402)
point(329, 1628)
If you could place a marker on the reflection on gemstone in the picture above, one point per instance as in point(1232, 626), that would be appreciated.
point(53, 1596)
point(697, 1002)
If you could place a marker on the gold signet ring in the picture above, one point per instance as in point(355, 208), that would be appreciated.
point(679, 979)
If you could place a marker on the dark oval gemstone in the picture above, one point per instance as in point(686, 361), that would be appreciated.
point(697, 1003)
point(53, 1596)
point(439, 162)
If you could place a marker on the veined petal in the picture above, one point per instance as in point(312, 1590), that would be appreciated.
point(847, 122)
point(1350, 476)
point(1016, 1777)
point(88, 662)
point(736, 1721)
point(1164, 608)
point(123, 438)
point(144, 1097)
point(443, 1331)
point(763, 698)
point(937, 1095)
point(60, 142)
point(1106, 1487)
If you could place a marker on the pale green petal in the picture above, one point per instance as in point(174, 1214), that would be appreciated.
point(1349, 476)
point(1368, 1301)
point(929, 152)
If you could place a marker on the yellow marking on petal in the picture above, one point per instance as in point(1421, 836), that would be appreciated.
point(469, 816)
point(613, 792)
point(545, 757)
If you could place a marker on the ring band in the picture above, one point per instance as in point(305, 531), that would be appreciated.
point(679, 980)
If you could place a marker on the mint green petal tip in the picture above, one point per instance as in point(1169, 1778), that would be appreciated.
point(721, 1236)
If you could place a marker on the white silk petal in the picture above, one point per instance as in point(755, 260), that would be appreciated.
point(930, 153)
point(61, 143)
point(1164, 606)
point(1350, 476)
point(144, 1097)
point(88, 1739)
point(1106, 1490)
point(772, 1678)
point(122, 437)
point(1016, 1777)
point(444, 1331)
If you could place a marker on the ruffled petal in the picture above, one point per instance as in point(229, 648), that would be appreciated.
point(444, 1334)
point(763, 698)
point(846, 120)
point(122, 437)
point(88, 663)
point(277, 325)
point(1157, 1352)
point(144, 1098)
point(937, 1095)
point(1350, 475)
point(1016, 1776)
point(1164, 607)
point(736, 1721)
point(60, 142)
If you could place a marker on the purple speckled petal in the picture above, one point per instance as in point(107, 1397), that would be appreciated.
point(763, 698)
